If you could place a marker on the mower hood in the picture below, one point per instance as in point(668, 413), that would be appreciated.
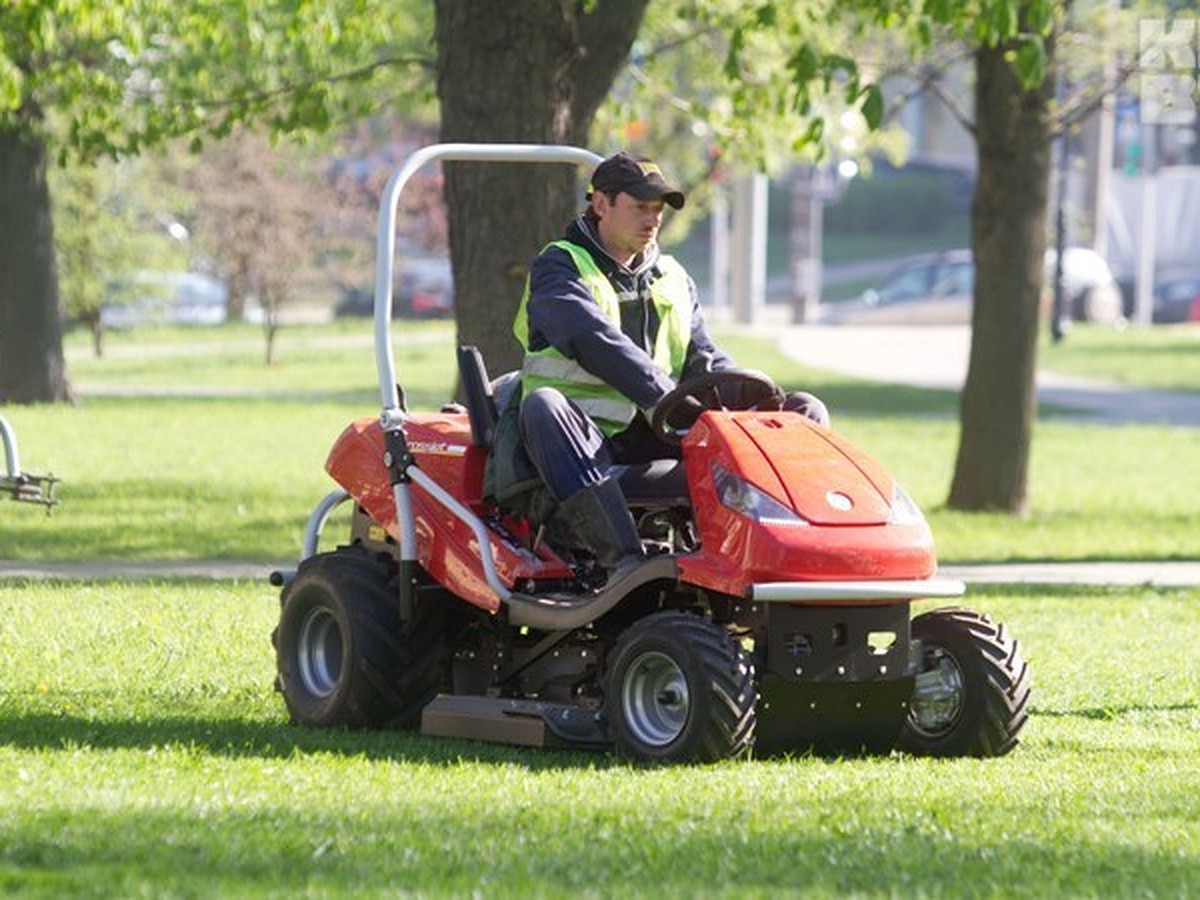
point(822, 477)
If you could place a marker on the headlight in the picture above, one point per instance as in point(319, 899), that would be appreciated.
point(743, 497)
point(904, 509)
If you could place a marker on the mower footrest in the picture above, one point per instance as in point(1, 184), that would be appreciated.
point(527, 723)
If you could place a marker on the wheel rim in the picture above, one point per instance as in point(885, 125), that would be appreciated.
point(319, 653)
point(937, 700)
point(654, 699)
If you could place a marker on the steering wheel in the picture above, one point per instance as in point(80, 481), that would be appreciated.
point(678, 411)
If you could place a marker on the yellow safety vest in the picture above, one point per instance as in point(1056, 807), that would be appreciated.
point(611, 410)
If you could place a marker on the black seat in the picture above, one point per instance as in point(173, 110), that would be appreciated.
point(658, 483)
point(477, 392)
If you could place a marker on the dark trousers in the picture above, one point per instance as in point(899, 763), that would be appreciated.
point(571, 453)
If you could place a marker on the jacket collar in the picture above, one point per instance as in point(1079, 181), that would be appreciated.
point(581, 232)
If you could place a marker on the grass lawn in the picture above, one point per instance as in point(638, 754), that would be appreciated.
point(143, 753)
point(1165, 357)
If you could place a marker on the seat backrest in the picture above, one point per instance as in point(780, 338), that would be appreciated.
point(477, 393)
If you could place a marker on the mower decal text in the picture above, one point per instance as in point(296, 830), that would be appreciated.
point(437, 448)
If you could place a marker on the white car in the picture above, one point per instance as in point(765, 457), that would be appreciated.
point(938, 289)
point(181, 298)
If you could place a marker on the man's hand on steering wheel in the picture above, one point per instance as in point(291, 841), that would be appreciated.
point(673, 415)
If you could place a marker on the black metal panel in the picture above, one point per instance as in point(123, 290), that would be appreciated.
point(830, 718)
point(836, 644)
point(833, 679)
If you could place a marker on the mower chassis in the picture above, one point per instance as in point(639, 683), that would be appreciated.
point(822, 678)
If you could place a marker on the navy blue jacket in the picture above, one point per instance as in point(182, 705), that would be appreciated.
point(563, 313)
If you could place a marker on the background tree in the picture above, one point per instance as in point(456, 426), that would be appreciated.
point(535, 72)
point(269, 219)
point(113, 223)
point(1012, 46)
point(115, 78)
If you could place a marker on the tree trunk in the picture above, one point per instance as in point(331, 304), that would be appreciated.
point(31, 354)
point(998, 403)
point(529, 72)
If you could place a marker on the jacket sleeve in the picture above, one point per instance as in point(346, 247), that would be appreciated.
point(563, 314)
point(703, 355)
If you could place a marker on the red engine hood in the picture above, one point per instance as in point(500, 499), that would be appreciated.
point(842, 494)
point(826, 479)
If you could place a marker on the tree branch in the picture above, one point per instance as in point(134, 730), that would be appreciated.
point(361, 73)
point(951, 103)
point(1084, 103)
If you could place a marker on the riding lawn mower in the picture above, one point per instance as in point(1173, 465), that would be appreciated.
point(771, 612)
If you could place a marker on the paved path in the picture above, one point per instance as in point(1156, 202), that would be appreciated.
point(936, 357)
point(1156, 574)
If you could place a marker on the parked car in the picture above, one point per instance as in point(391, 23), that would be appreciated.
point(179, 298)
point(929, 289)
point(1175, 298)
point(1090, 291)
point(938, 289)
point(424, 290)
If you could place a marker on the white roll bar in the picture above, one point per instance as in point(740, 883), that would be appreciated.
point(385, 262)
point(392, 416)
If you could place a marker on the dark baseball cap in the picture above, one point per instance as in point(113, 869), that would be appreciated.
point(638, 177)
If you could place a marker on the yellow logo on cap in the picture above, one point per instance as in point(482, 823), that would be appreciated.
point(649, 168)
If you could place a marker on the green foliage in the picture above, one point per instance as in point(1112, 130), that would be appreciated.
point(109, 224)
point(789, 60)
point(676, 103)
point(125, 75)
point(144, 753)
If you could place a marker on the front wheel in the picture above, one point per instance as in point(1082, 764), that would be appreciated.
point(971, 693)
point(678, 688)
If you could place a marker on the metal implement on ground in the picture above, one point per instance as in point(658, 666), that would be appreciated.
point(22, 486)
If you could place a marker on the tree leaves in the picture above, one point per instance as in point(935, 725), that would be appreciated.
point(1029, 61)
point(127, 74)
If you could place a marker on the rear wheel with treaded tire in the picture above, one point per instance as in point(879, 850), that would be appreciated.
point(972, 689)
point(679, 688)
point(344, 657)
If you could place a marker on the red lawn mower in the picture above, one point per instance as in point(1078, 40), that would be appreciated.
point(771, 611)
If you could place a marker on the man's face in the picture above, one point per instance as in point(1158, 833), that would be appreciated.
point(627, 225)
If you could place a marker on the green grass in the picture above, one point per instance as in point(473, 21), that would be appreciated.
point(233, 473)
point(1165, 357)
point(143, 753)
point(333, 362)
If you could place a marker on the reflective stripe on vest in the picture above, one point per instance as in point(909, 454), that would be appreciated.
point(609, 408)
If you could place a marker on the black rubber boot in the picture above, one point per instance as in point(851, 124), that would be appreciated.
point(600, 521)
